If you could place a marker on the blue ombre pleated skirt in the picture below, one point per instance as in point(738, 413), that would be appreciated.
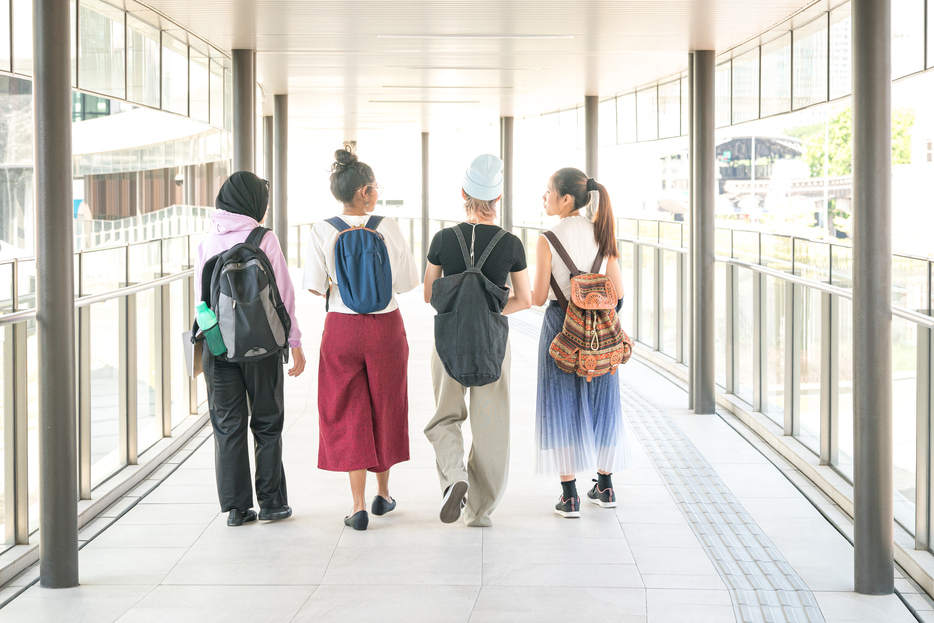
point(578, 425)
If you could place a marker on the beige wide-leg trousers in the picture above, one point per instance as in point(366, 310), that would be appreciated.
point(488, 464)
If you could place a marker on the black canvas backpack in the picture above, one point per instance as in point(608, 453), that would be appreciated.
point(470, 329)
point(240, 287)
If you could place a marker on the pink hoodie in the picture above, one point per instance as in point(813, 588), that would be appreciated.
point(230, 229)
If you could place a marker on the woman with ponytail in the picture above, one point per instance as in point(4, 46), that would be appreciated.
point(578, 424)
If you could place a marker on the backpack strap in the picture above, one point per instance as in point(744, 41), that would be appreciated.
point(373, 222)
point(489, 247)
point(562, 253)
point(597, 261)
point(256, 236)
point(468, 261)
point(338, 223)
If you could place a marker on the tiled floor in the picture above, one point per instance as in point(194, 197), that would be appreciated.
point(171, 557)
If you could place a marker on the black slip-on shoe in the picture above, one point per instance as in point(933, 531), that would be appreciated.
point(381, 505)
point(453, 501)
point(605, 498)
point(272, 514)
point(357, 521)
point(238, 518)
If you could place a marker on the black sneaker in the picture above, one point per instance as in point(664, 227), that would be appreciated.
point(273, 514)
point(238, 518)
point(453, 501)
point(605, 498)
point(568, 508)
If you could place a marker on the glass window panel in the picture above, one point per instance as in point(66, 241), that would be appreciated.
point(626, 118)
point(774, 405)
point(199, 84)
point(841, 52)
point(907, 37)
point(842, 455)
point(809, 421)
point(32, 424)
point(179, 380)
point(607, 126)
point(105, 391)
point(722, 88)
point(5, 26)
point(149, 427)
point(567, 129)
point(720, 320)
point(142, 62)
point(22, 37)
point(217, 93)
point(647, 313)
point(776, 76)
point(174, 75)
point(930, 39)
point(744, 335)
point(74, 44)
point(647, 114)
point(810, 63)
point(3, 533)
point(904, 413)
point(626, 262)
point(101, 48)
point(669, 343)
point(685, 107)
point(669, 109)
point(746, 86)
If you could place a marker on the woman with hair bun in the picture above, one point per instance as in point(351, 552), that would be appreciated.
point(578, 424)
point(362, 366)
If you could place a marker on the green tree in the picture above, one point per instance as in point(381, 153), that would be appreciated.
point(840, 140)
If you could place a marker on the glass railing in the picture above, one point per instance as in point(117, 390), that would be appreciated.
point(132, 304)
point(784, 335)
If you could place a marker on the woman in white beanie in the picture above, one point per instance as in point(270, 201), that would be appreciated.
point(499, 255)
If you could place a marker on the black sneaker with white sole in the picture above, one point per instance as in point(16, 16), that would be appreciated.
point(453, 501)
point(605, 498)
point(568, 508)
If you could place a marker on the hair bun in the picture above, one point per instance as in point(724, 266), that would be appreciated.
point(344, 158)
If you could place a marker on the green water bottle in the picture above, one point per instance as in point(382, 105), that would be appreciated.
point(212, 333)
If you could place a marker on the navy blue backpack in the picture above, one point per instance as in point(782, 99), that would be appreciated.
point(362, 265)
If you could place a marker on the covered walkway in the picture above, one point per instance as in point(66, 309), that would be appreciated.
point(712, 525)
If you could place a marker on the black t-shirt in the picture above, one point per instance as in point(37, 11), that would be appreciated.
point(508, 256)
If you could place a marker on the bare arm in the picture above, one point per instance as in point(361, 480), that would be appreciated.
point(315, 292)
point(521, 295)
point(542, 272)
point(615, 276)
point(431, 273)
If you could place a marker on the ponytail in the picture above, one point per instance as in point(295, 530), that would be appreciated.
point(605, 225)
point(574, 182)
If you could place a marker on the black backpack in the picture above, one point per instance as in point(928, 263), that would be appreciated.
point(240, 287)
point(470, 329)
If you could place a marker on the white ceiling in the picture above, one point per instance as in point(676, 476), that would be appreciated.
point(355, 66)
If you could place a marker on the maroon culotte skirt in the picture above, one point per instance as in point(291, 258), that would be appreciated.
point(363, 403)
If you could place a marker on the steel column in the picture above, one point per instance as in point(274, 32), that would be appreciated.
point(55, 309)
point(15, 435)
point(162, 297)
point(269, 166)
point(760, 395)
point(591, 134)
point(680, 279)
point(691, 363)
point(731, 382)
point(658, 280)
point(923, 440)
point(425, 240)
point(703, 222)
point(128, 423)
point(188, 304)
point(827, 338)
point(281, 170)
point(506, 151)
point(793, 318)
point(873, 500)
point(244, 95)
point(84, 402)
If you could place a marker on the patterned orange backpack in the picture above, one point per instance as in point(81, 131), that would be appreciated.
point(592, 341)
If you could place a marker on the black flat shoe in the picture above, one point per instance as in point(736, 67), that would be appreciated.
point(357, 521)
point(381, 505)
point(272, 514)
point(238, 518)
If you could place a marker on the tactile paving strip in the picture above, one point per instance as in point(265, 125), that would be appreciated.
point(764, 586)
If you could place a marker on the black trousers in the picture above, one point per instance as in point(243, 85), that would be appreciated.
point(238, 393)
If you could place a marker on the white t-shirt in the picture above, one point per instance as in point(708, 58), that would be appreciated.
point(577, 238)
point(320, 270)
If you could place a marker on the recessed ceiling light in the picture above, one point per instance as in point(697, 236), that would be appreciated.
point(474, 36)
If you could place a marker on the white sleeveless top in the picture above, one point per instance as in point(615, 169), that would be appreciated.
point(577, 238)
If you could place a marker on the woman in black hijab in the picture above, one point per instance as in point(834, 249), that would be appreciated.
point(241, 207)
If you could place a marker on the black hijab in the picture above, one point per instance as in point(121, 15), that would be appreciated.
point(244, 193)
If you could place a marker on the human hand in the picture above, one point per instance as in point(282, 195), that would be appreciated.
point(298, 361)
